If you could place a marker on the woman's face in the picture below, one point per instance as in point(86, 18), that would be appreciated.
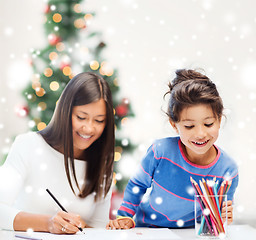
point(88, 123)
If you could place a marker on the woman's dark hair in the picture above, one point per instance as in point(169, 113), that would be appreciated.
point(191, 87)
point(83, 89)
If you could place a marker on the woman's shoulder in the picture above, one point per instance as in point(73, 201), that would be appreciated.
point(28, 137)
point(29, 141)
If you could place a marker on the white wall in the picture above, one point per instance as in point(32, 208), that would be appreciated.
point(147, 40)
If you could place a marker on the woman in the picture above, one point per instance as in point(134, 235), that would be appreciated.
point(72, 156)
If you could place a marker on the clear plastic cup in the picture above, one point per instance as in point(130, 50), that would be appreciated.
point(208, 220)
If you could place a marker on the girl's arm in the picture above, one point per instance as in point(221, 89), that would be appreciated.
point(136, 189)
point(121, 223)
point(229, 214)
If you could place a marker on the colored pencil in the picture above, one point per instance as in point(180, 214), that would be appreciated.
point(221, 190)
point(26, 237)
point(197, 191)
point(210, 198)
point(218, 218)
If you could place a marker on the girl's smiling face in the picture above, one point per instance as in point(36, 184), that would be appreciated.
point(88, 123)
point(198, 129)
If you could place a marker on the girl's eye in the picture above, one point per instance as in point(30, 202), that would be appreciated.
point(189, 127)
point(208, 125)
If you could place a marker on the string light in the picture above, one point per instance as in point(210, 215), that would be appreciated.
point(94, 65)
point(41, 126)
point(54, 86)
point(40, 92)
point(60, 46)
point(36, 85)
point(77, 8)
point(48, 72)
point(124, 121)
point(53, 56)
point(118, 149)
point(117, 156)
point(67, 71)
point(56, 17)
point(42, 106)
point(105, 69)
point(88, 16)
point(79, 23)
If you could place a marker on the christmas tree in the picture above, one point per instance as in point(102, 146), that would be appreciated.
point(71, 48)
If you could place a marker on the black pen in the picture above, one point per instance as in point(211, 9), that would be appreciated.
point(30, 238)
point(62, 208)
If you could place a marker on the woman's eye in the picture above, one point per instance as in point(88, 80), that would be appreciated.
point(208, 125)
point(80, 118)
point(100, 121)
point(189, 127)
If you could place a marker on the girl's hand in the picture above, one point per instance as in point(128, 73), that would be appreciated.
point(65, 223)
point(229, 208)
point(121, 223)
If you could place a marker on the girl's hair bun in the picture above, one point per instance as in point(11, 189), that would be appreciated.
point(190, 87)
point(185, 75)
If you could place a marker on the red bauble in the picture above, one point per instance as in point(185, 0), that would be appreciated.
point(62, 65)
point(121, 110)
point(53, 39)
point(47, 9)
point(22, 111)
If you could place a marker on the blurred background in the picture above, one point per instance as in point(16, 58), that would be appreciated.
point(146, 41)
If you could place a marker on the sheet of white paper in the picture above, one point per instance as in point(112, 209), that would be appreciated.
point(95, 234)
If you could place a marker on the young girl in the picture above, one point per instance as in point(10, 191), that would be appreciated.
point(195, 110)
point(72, 157)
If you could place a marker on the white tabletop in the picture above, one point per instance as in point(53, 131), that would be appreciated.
point(235, 232)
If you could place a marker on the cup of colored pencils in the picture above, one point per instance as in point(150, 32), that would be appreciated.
point(208, 204)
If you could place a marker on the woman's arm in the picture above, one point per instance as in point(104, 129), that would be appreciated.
point(61, 223)
point(37, 222)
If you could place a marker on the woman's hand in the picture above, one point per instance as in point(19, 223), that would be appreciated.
point(229, 208)
point(121, 223)
point(65, 223)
